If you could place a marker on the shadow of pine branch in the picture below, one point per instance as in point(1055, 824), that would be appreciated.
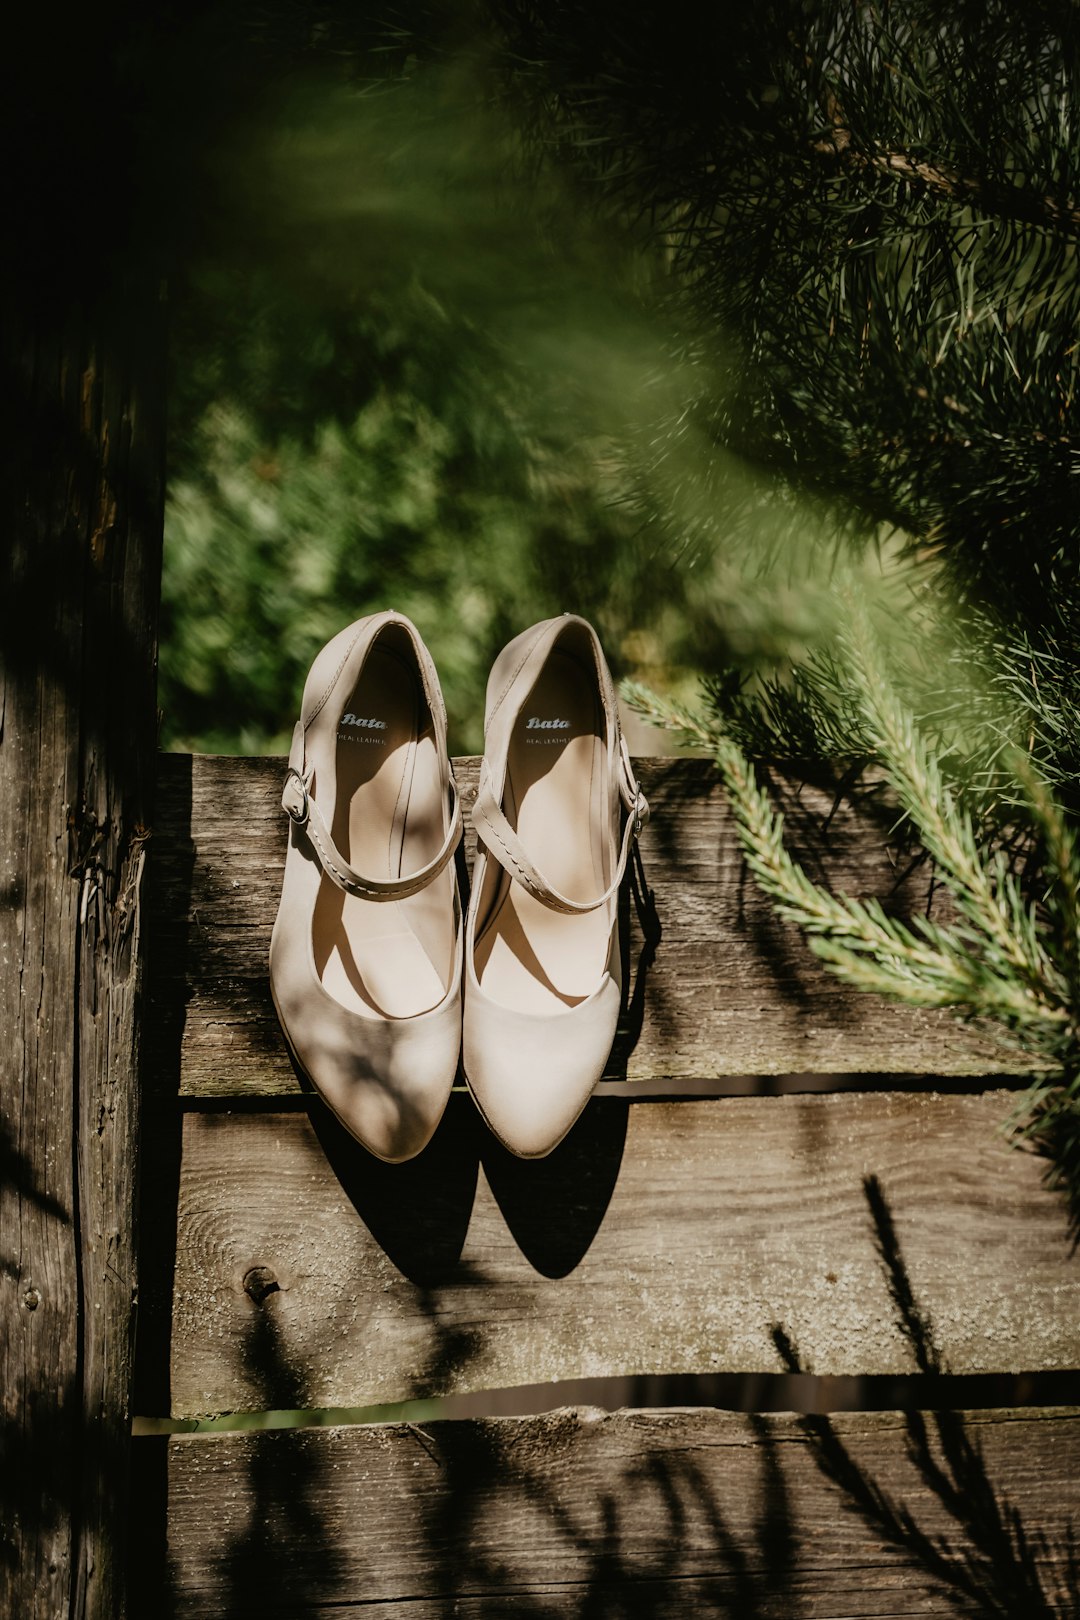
point(989, 1557)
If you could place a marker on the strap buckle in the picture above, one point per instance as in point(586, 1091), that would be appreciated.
point(636, 803)
point(294, 797)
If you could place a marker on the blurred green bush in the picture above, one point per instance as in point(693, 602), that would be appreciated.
point(411, 370)
point(329, 462)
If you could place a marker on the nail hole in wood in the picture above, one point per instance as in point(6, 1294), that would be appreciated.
point(260, 1281)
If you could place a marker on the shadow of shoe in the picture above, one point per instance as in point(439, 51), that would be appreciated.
point(554, 1206)
point(637, 894)
point(419, 1211)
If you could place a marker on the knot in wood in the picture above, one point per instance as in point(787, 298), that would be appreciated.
point(31, 1299)
point(260, 1281)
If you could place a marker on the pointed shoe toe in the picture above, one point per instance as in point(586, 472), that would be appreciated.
point(530, 1076)
point(388, 1083)
point(392, 1096)
point(366, 952)
point(556, 814)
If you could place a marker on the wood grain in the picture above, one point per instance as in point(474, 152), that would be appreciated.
point(662, 1237)
point(664, 1513)
point(79, 580)
point(731, 990)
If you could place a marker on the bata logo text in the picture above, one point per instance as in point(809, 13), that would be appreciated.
point(535, 724)
point(367, 725)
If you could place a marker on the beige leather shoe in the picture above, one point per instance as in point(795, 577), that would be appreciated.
point(556, 814)
point(365, 957)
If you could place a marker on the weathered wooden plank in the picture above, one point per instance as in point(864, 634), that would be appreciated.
point(661, 1513)
point(78, 603)
point(667, 1237)
point(731, 991)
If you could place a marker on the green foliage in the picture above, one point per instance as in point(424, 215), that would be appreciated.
point(879, 208)
point(333, 455)
point(738, 265)
point(410, 387)
point(1010, 959)
point(389, 390)
point(324, 467)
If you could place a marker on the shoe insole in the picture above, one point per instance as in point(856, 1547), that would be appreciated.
point(387, 958)
point(557, 797)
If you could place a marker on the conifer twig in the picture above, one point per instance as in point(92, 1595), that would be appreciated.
point(989, 965)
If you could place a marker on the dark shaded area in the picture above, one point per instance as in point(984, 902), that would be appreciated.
point(627, 1573)
point(555, 1206)
point(990, 1558)
point(37, 1492)
point(159, 1196)
point(116, 123)
point(148, 1551)
point(418, 1211)
point(281, 1528)
point(637, 895)
point(19, 1177)
point(173, 931)
point(1056, 1138)
point(169, 908)
point(800, 1391)
point(654, 1533)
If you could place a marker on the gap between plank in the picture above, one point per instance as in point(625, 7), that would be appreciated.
point(674, 1090)
point(801, 1393)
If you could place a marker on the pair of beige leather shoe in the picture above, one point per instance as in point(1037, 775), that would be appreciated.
point(378, 980)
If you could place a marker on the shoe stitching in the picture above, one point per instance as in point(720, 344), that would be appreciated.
point(490, 830)
point(356, 884)
point(533, 881)
point(352, 884)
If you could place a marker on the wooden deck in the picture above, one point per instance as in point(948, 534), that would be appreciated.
point(779, 1172)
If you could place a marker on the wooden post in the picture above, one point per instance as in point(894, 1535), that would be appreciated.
point(79, 587)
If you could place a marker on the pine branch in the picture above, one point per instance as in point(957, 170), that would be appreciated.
point(985, 890)
point(690, 728)
point(1006, 202)
point(855, 938)
point(1063, 888)
point(969, 966)
point(864, 946)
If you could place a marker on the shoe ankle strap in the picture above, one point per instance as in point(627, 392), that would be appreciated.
point(503, 844)
point(300, 807)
